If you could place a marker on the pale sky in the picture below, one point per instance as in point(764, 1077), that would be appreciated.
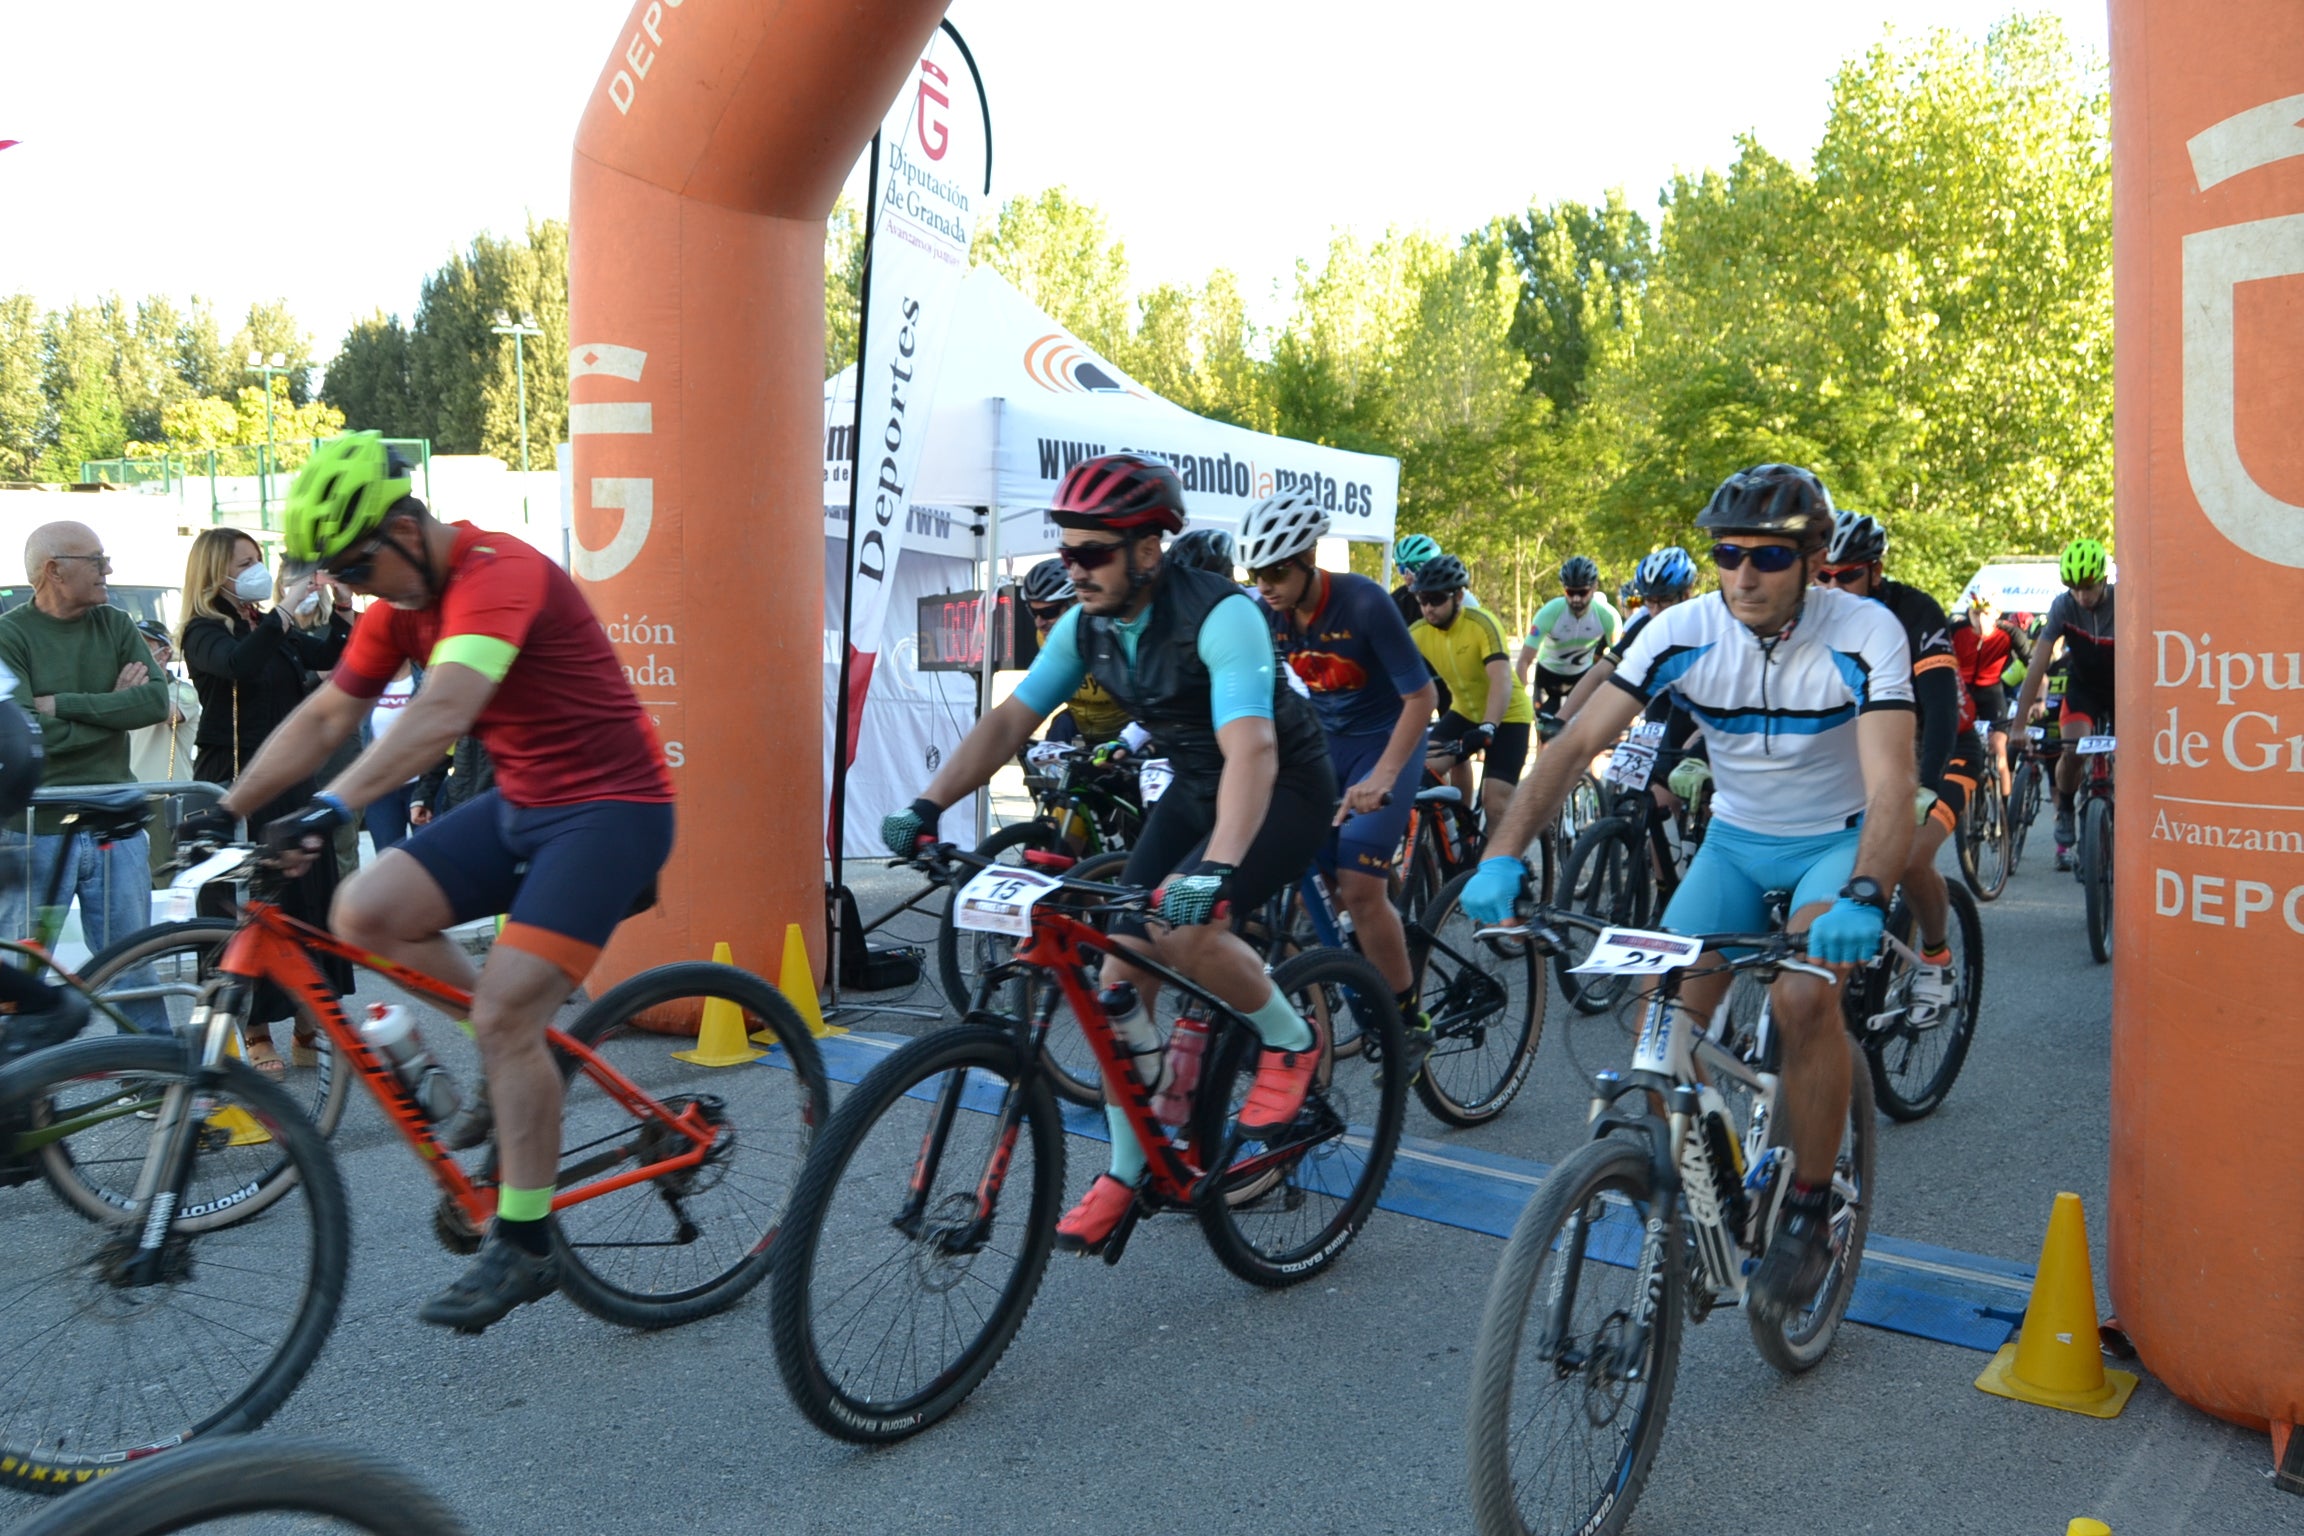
point(333, 155)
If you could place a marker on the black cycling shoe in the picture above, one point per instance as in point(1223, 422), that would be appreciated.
point(504, 1276)
point(23, 1033)
point(1798, 1257)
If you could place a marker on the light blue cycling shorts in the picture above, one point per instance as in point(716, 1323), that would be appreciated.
point(1735, 869)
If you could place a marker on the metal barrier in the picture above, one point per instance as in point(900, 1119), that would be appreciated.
point(47, 919)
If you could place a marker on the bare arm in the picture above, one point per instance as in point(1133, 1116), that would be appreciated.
point(1522, 662)
point(297, 749)
point(989, 744)
point(1558, 767)
point(1251, 762)
point(1499, 691)
point(1884, 745)
point(2047, 648)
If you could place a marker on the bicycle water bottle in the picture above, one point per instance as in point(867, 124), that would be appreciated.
point(1133, 1025)
point(1187, 1044)
point(392, 1030)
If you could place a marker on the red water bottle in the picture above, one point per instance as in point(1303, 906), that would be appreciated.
point(1187, 1043)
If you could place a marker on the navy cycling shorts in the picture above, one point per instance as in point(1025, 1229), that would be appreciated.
point(565, 875)
point(1369, 843)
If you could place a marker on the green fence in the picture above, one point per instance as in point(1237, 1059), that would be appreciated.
point(271, 465)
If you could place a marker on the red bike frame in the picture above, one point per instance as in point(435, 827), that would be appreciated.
point(272, 946)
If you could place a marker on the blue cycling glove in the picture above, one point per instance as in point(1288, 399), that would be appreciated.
point(1849, 934)
point(1495, 889)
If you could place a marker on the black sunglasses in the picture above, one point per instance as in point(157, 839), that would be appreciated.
point(1090, 557)
point(1042, 615)
point(1576, 591)
point(1841, 576)
point(1271, 574)
point(1771, 558)
point(1434, 599)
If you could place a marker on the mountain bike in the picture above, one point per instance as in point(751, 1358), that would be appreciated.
point(2029, 790)
point(1626, 865)
point(161, 1312)
point(2095, 827)
point(1659, 1217)
point(1984, 836)
point(1916, 1057)
point(926, 1214)
point(218, 1485)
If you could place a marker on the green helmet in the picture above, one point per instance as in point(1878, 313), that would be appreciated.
point(1414, 550)
point(2084, 563)
point(343, 496)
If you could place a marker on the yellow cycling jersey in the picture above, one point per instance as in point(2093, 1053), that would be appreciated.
point(1460, 655)
point(1096, 712)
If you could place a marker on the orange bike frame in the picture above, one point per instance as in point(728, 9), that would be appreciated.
point(272, 946)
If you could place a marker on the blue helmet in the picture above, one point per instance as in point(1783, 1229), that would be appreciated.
point(1668, 573)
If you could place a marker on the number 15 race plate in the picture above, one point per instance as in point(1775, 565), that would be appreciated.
point(999, 900)
point(1638, 952)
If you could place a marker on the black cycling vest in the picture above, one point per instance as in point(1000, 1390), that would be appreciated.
point(1169, 691)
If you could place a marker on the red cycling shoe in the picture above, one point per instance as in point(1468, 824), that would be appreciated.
point(1088, 1226)
point(1283, 1078)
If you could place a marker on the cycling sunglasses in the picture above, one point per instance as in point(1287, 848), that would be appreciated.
point(1272, 574)
point(357, 568)
point(1840, 576)
point(1435, 599)
point(1090, 557)
point(1042, 615)
point(1771, 558)
point(1576, 591)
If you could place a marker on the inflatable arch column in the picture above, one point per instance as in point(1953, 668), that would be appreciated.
point(713, 147)
point(2207, 1211)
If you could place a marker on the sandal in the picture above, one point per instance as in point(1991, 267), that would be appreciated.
point(266, 1060)
point(304, 1050)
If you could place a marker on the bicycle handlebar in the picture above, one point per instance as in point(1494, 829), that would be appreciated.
point(944, 862)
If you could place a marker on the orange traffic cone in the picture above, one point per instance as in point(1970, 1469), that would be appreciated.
point(720, 1035)
point(2056, 1360)
point(796, 979)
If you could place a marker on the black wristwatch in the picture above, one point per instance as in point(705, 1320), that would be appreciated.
point(1865, 891)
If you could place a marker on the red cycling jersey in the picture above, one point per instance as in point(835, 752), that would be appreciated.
point(563, 726)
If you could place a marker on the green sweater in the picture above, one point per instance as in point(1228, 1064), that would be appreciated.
point(77, 662)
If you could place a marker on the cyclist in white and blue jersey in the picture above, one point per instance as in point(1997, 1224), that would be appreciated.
point(1804, 698)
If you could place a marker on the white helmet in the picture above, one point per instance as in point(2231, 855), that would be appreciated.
point(1279, 528)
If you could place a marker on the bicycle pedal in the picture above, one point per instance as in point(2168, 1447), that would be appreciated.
point(1117, 1243)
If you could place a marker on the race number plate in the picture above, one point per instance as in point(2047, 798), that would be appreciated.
point(1154, 778)
point(2096, 746)
point(1048, 754)
point(1630, 765)
point(1000, 900)
point(180, 902)
point(1638, 952)
point(2035, 733)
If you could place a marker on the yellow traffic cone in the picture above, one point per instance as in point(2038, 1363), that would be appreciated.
point(2057, 1360)
point(796, 979)
point(720, 1036)
point(244, 1130)
point(2083, 1526)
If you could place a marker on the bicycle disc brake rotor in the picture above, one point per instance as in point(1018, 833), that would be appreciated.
point(659, 1141)
point(1606, 1382)
point(947, 1247)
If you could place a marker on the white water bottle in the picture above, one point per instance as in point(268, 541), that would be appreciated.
point(1133, 1025)
point(392, 1029)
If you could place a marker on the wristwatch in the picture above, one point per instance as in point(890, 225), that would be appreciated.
point(1865, 891)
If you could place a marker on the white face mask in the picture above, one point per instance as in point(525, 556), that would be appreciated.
point(253, 585)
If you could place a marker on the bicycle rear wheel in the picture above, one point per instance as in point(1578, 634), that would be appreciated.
point(1283, 1209)
point(1486, 998)
point(2096, 874)
point(962, 957)
point(1570, 1389)
point(1795, 1341)
point(891, 1303)
point(1984, 860)
point(215, 1481)
point(1608, 880)
point(1914, 1065)
point(2023, 808)
point(683, 1245)
point(96, 1371)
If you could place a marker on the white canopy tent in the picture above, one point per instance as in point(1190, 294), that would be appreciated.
point(1020, 401)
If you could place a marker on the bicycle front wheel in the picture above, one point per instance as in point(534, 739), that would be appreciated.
point(2096, 874)
point(102, 1366)
point(1606, 879)
point(685, 1244)
point(1573, 1375)
point(1797, 1340)
point(1284, 1208)
point(918, 1235)
point(1915, 1062)
point(1486, 1000)
point(201, 1486)
point(1984, 860)
point(962, 957)
point(2023, 806)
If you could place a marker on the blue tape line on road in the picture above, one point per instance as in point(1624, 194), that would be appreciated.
point(1919, 1289)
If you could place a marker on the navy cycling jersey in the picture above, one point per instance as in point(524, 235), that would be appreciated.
point(1354, 658)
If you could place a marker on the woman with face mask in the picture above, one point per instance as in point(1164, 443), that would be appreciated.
point(250, 663)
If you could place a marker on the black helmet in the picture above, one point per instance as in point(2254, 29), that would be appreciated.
point(1579, 571)
point(1856, 540)
point(1047, 583)
point(1445, 573)
point(1122, 492)
point(21, 758)
point(1204, 549)
point(1780, 499)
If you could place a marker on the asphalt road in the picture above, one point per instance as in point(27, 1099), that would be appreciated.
point(1165, 1396)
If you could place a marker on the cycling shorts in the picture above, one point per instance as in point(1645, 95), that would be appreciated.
point(1992, 704)
point(1962, 771)
point(1554, 687)
point(1176, 832)
point(1506, 755)
point(1725, 888)
point(1370, 841)
point(565, 875)
point(2086, 712)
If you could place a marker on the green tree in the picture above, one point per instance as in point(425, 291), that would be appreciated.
point(23, 403)
point(1198, 348)
point(843, 283)
point(1060, 254)
point(269, 329)
point(201, 361)
point(367, 379)
point(1581, 275)
point(462, 385)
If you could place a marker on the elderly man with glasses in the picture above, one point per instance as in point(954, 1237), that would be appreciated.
point(83, 672)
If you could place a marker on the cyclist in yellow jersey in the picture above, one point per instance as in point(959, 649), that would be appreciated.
point(1092, 714)
point(1488, 709)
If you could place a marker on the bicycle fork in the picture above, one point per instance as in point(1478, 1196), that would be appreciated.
point(167, 1172)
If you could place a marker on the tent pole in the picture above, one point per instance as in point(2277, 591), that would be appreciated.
point(989, 608)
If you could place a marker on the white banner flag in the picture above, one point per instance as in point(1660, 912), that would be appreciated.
point(933, 150)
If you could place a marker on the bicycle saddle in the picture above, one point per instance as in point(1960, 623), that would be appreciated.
point(1440, 794)
point(107, 814)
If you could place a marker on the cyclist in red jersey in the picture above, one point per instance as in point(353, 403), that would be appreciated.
point(567, 843)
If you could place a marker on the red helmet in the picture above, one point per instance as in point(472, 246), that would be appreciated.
point(1122, 492)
